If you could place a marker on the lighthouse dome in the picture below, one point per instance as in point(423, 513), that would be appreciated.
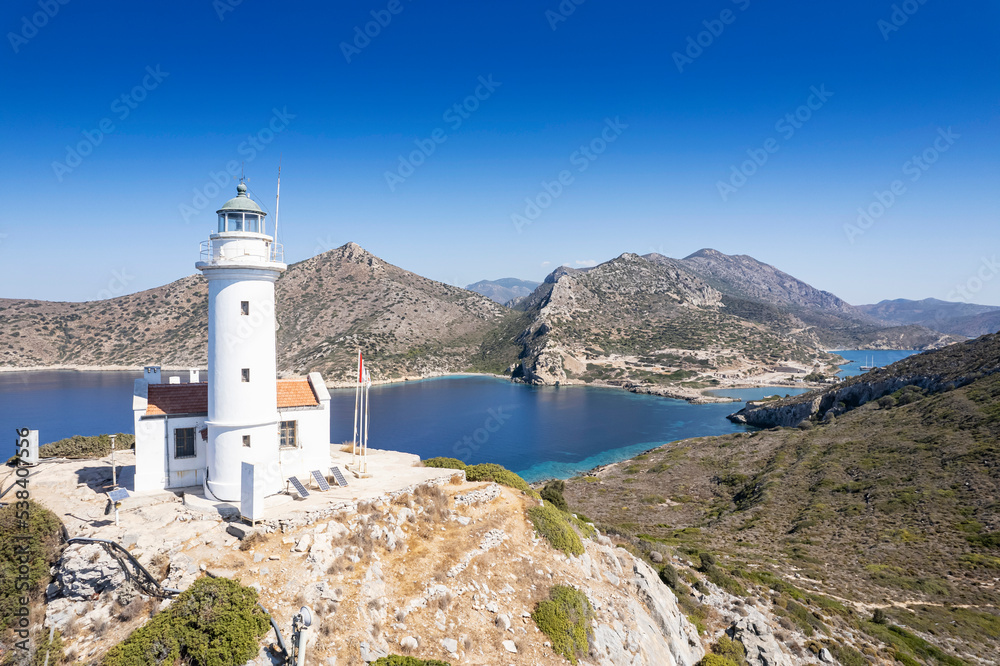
point(241, 202)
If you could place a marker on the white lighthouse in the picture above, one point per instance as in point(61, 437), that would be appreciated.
point(241, 263)
point(198, 434)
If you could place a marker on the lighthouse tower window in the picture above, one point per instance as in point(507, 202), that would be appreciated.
point(244, 307)
point(246, 441)
point(246, 374)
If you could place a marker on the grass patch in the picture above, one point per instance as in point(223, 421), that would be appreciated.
point(396, 660)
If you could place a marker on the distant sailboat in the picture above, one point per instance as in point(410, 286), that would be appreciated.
point(869, 365)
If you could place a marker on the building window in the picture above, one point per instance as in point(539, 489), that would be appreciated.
point(289, 434)
point(244, 307)
point(246, 374)
point(184, 443)
point(246, 441)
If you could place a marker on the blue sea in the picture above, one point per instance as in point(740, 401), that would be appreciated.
point(857, 357)
point(539, 432)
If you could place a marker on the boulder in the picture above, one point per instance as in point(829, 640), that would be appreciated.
point(761, 646)
point(240, 531)
point(409, 643)
point(303, 545)
point(86, 570)
point(450, 645)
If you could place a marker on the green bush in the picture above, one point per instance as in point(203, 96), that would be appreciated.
point(498, 474)
point(80, 446)
point(396, 660)
point(565, 618)
point(715, 660)
point(553, 492)
point(732, 650)
point(447, 463)
point(552, 524)
point(215, 622)
point(668, 574)
point(44, 543)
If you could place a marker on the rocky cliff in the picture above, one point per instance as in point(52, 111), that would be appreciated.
point(449, 572)
point(934, 371)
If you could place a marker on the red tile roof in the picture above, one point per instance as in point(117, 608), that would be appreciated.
point(296, 392)
point(177, 399)
point(172, 399)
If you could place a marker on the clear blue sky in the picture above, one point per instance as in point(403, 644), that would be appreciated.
point(114, 223)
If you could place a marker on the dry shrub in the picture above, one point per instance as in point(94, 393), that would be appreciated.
point(457, 479)
point(400, 615)
point(362, 540)
point(159, 565)
point(467, 643)
point(406, 499)
point(255, 539)
point(444, 601)
point(100, 626)
point(376, 626)
point(367, 508)
point(134, 609)
point(337, 566)
point(347, 447)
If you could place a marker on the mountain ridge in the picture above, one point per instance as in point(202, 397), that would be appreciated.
point(648, 324)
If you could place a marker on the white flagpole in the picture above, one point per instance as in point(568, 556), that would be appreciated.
point(364, 454)
point(357, 392)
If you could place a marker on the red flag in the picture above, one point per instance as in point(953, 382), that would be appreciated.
point(360, 366)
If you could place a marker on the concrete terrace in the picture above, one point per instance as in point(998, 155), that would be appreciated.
point(76, 491)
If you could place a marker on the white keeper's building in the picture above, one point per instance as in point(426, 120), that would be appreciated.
point(200, 433)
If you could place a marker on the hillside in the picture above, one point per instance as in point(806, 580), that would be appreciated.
point(504, 290)
point(407, 325)
point(891, 506)
point(968, 319)
point(656, 324)
point(631, 320)
point(327, 307)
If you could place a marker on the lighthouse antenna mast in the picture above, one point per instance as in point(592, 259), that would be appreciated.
point(277, 201)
